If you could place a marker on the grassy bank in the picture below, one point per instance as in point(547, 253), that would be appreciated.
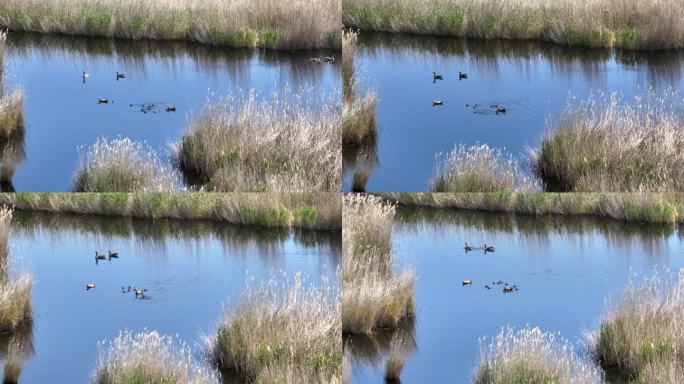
point(633, 24)
point(11, 122)
point(295, 24)
point(531, 356)
point(321, 211)
point(358, 114)
point(16, 309)
point(606, 145)
point(480, 168)
point(282, 333)
point(640, 333)
point(647, 208)
point(374, 294)
point(148, 357)
point(279, 144)
point(121, 165)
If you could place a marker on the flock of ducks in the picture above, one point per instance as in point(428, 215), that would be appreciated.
point(489, 248)
point(139, 292)
point(462, 76)
point(120, 75)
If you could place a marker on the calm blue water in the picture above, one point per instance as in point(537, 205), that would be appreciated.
point(62, 113)
point(565, 268)
point(533, 81)
point(191, 270)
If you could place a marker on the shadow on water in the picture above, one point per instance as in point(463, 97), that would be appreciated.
point(12, 154)
point(359, 161)
point(373, 349)
point(16, 348)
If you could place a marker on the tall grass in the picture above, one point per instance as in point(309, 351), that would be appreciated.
point(605, 145)
point(281, 144)
point(282, 333)
point(531, 356)
point(16, 308)
point(639, 207)
point(374, 294)
point(11, 101)
point(148, 357)
point(358, 112)
point(480, 168)
point(294, 24)
point(320, 211)
point(122, 165)
point(634, 24)
point(641, 332)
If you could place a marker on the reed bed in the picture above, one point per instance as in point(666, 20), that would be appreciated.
point(282, 333)
point(374, 294)
point(319, 211)
point(148, 357)
point(122, 165)
point(247, 145)
point(632, 24)
point(638, 207)
point(641, 332)
point(531, 356)
point(358, 112)
point(605, 145)
point(294, 24)
point(11, 101)
point(480, 168)
point(16, 309)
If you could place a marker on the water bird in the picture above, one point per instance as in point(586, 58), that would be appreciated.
point(86, 75)
point(467, 282)
point(316, 60)
point(488, 248)
point(111, 255)
point(500, 109)
point(140, 292)
point(120, 75)
point(467, 247)
point(103, 101)
point(437, 102)
point(90, 286)
point(170, 108)
point(487, 286)
point(329, 59)
point(462, 75)
point(507, 289)
point(99, 257)
point(435, 77)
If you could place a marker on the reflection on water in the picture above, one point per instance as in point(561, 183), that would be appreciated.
point(532, 80)
point(191, 269)
point(565, 267)
point(15, 349)
point(62, 112)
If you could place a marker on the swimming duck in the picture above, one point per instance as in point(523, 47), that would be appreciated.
point(488, 248)
point(170, 108)
point(102, 101)
point(120, 75)
point(329, 59)
point(487, 286)
point(435, 76)
point(316, 60)
point(113, 254)
point(437, 102)
point(500, 109)
point(90, 286)
point(140, 292)
point(467, 247)
point(507, 289)
point(462, 75)
point(86, 75)
point(467, 282)
point(99, 257)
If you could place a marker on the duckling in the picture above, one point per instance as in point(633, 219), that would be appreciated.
point(467, 247)
point(170, 108)
point(437, 103)
point(467, 282)
point(488, 248)
point(316, 60)
point(103, 101)
point(139, 292)
point(500, 109)
point(99, 257)
point(329, 59)
point(435, 76)
point(111, 255)
point(487, 286)
point(90, 286)
point(120, 75)
point(507, 289)
point(86, 75)
point(462, 75)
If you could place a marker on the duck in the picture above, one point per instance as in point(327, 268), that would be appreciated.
point(467, 282)
point(507, 289)
point(487, 286)
point(90, 286)
point(467, 247)
point(500, 109)
point(435, 76)
point(316, 60)
point(102, 101)
point(99, 257)
point(120, 75)
point(329, 59)
point(140, 292)
point(437, 102)
point(488, 248)
point(86, 75)
point(462, 75)
point(170, 108)
point(114, 255)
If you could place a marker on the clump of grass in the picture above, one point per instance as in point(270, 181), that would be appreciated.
point(282, 144)
point(374, 294)
point(295, 24)
point(531, 356)
point(640, 333)
point(122, 165)
point(358, 113)
point(148, 357)
point(480, 168)
point(634, 24)
point(604, 145)
point(11, 101)
point(282, 333)
point(16, 308)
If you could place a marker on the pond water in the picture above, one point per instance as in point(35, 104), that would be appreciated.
point(191, 270)
point(533, 81)
point(62, 112)
point(565, 268)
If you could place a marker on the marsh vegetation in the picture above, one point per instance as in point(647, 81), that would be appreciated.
point(11, 123)
point(16, 309)
point(264, 23)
